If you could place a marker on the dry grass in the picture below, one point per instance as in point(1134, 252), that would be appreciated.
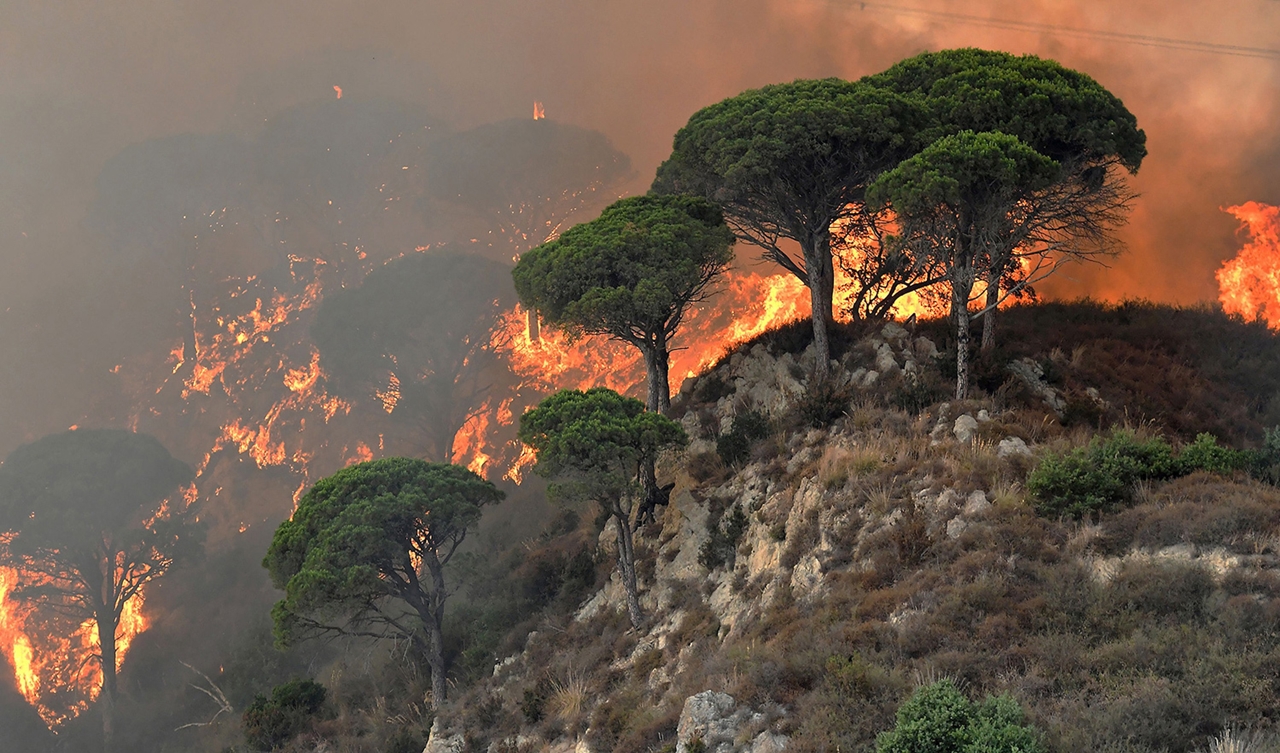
point(568, 697)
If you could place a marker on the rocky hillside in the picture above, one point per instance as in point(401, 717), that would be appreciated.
point(827, 550)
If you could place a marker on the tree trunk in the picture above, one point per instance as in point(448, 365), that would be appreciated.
point(435, 635)
point(961, 289)
point(989, 317)
point(107, 652)
point(657, 364)
point(817, 261)
point(627, 566)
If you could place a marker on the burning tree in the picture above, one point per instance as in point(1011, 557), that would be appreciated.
point(630, 274)
point(417, 334)
point(791, 161)
point(595, 445)
point(92, 520)
point(364, 554)
point(530, 177)
point(1063, 115)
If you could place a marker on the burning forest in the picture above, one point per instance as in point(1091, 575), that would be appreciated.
point(231, 295)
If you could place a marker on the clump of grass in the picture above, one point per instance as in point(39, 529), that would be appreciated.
point(568, 698)
point(839, 464)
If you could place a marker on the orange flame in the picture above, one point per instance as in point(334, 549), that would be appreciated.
point(337, 90)
point(1249, 284)
point(53, 669)
point(539, 113)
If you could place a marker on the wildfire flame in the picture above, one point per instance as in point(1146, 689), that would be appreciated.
point(1249, 284)
point(539, 113)
point(53, 668)
point(337, 90)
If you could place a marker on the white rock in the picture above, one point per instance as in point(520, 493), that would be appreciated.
point(984, 416)
point(708, 716)
point(885, 361)
point(976, 503)
point(955, 527)
point(964, 427)
point(1012, 446)
point(437, 742)
point(893, 332)
point(769, 742)
point(870, 378)
point(925, 348)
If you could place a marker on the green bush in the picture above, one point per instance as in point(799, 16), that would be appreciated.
point(1100, 476)
point(1205, 454)
point(734, 447)
point(1264, 464)
point(271, 722)
point(939, 719)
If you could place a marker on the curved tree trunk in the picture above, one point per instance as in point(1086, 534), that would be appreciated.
point(627, 566)
point(818, 266)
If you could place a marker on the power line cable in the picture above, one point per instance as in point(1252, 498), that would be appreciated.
point(1145, 40)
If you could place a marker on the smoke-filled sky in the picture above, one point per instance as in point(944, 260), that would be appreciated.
point(81, 80)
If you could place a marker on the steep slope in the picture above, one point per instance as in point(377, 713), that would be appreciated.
point(797, 595)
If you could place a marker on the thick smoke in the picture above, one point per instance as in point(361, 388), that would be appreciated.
point(153, 150)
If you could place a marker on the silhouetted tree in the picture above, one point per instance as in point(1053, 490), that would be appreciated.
point(93, 520)
point(428, 321)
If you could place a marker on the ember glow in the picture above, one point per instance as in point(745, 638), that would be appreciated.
point(1249, 284)
point(337, 90)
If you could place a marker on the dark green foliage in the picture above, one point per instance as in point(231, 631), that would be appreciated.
point(1205, 454)
point(734, 446)
point(347, 547)
point(723, 536)
point(823, 402)
point(1064, 114)
point(270, 722)
point(1100, 476)
point(630, 271)
point(630, 274)
point(593, 441)
point(938, 718)
point(1264, 465)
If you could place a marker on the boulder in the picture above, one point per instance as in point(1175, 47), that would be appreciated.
point(1010, 446)
point(976, 503)
point(964, 428)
